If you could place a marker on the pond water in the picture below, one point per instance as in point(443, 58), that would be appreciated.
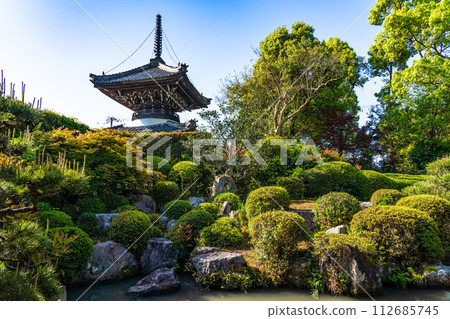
point(191, 291)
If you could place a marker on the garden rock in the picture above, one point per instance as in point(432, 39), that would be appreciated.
point(203, 250)
point(341, 229)
point(159, 253)
point(225, 209)
point(164, 220)
point(439, 277)
point(209, 263)
point(365, 205)
point(104, 221)
point(163, 280)
point(223, 184)
point(308, 216)
point(233, 214)
point(170, 224)
point(195, 201)
point(103, 259)
point(144, 203)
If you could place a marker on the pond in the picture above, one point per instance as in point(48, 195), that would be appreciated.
point(191, 291)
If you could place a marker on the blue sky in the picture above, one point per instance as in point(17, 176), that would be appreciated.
point(52, 45)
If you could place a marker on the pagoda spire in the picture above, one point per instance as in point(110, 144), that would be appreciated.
point(158, 37)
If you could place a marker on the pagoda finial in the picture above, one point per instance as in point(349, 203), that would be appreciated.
point(158, 37)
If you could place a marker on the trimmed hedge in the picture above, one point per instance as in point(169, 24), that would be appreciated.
point(386, 197)
point(55, 218)
point(211, 208)
point(176, 208)
point(334, 209)
point(439, 167)
point(223, 233)
point(185, 172)
point(265, 199)
point(293, 185)
point(403, 236)
point(164, 192)
point(92, 205)
point(234, 200)
point(376, 181)
point(88, 223)
point(156, 161)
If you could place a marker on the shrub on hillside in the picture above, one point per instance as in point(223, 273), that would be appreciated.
point(386, 197)
point(175, 209)
point(234, 200)
point(334, 209)
point(435, 185)
point(403, 236)
point(211, 208)
point(164, 192)
point(439, 167)
point(376, 181)
point(184, 172)
point(405, 180)
point(92, 205)
point(127, 227)
point(88, 223)
point(54, 218)
point(265, 199)
point(293, 185)
point(159, 164)
point(79, 251)
point(224, 232)
point(114, 201)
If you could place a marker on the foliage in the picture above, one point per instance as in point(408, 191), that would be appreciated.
point(124, 208)
point(159, 164)
point(234, 200)
point(113, 201)
point(88, 223)
point(434, 185)
point(293, 185)
point(175, 209)
point(80, 249)
point(93, 205)
point(184, 172)
point(44, 206)
point(265, 199)
point(211, 208)
point(275, 236)
point(405, 180)
point(386, 197)
point(439, 167)
point(164, 192)
point(54, 218)
point(246, 279)
point(155, 219)
point(334, 209)
point(133, 229)
point(403, 236)
point(224, 232)
point(376, 181)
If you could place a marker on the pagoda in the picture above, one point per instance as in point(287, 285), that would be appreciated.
point(155, 92)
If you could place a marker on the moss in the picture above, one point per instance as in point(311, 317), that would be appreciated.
point(265, 199)
point(293, 185)
point(334, 209)
point(234, 200)
point(386, 197)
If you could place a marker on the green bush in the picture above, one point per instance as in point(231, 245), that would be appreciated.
point(157, 161)
point(434, 185)
point(334, 176)
point(54, 218)
point(265, 199)
point(376, 181)
point(114, 201)
point(297, 173)
point(88, 223)
point(386, 197)
point(405, 180)
point(155, 219)
point(275, 236)
point(234, 200)
point(184, 172)
point(164, 192)
point(124, 208)
point(223, 233)
point(44, 206)
point(293, 185)
point(176, 208)
point(439, 167)
point(334, 209)
point(403, 236)
point(92, 205)
point(211, 208)
point(128, 226)
point(79, 252)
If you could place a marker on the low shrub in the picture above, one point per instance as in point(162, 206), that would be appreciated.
point(265, 199)
point(164, 192)
point(114, 201)
point(234, 200)
point(127, 227)
point(439, 167)
point(376, 181)
point(44, 206)
point(159, 164)
point(155, 220)
point(405, 180)
point(54, 218)
point(223, 233)
point(175, 209)
point(79, 251)
point(434, 185)
point(386, 197)
point(275, 236)
point(293, 185)
point(184, 172)
point(92, 205)
point(334, 209)
point(403, 236)
point(124, 208)
point(211, 208)
point(88, 223)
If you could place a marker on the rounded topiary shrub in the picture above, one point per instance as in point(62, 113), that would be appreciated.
point(155, 219)
point(164, 192)
point(334, 176)
point(403, 236)
point(80, 249)
point(386, 197)
point(184, 172)
point(91, 205)
point(376, 181)
point(265, 199)
point(88, 223)
point(293, 185)
point(113, 201)
point(234, 200)
point(334, 209)
point(124, 208)
point(159, 164)
point(54, 218)
point(211, 208)
point(175, 209)
point(439, 167)
point(224, 232)
point(275, 236)
point(128, 226)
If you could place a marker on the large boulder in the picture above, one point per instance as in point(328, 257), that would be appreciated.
point(210, 261)
point(160, 281)
point(104, 221)
point(144, 203)
point(158, 253)
point(439, 277)
point(109, 262)
point(195, 201)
